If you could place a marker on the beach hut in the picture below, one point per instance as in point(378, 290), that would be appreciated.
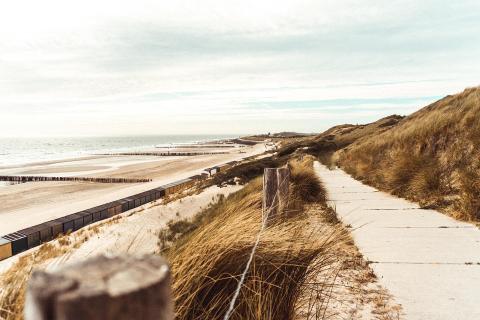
point(5, 249)
point(124, 204)
point(137, 201)
point(118, 207)
point(57, 228)
point(104, 213)
point(33, 236)
point(167, 189)
point(96, 214)
point(68, 223)
point(77, 221)
point(131, 203)
point(160, 192)
point(111, 209)
point(45, 230)
point(87, 217)
point(153, 194)
point(18, 241)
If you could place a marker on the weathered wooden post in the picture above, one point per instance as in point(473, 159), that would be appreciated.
point(102, 288)
point(275, 193)
point(283, 178)
point(270, 199)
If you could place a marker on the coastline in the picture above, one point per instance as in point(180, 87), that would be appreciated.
point(38, 151)
point(32, 203)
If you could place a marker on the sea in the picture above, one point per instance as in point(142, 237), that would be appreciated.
point(19, 151)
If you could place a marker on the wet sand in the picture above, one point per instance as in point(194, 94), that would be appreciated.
point(27, 204)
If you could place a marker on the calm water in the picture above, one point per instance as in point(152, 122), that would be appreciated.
point(26, 150)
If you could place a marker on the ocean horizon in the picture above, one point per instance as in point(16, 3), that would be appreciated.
point(21, 151)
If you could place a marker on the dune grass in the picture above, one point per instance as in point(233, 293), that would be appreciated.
point(432, 156)
point(209, 253)
point(14, 281)
point(207, 262)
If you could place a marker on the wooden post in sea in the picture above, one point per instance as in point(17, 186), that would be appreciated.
point(102, 288)
point(275, 193)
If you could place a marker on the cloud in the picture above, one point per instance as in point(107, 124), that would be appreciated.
point(267, 65)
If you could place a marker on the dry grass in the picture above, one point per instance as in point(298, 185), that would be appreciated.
point(14, 281)
point(431, 156)
point(248, 170)
point(306, 186)
point(207, 263)
point(210, 252)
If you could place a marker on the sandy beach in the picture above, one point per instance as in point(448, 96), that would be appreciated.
point(31, 203)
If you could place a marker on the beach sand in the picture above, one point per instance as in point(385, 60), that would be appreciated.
point(137, 231)
point(28, 204)
point(132, 232)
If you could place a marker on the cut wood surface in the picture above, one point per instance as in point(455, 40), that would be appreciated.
point(103, 288)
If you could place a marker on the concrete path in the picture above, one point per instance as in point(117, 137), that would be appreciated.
point(429, 262)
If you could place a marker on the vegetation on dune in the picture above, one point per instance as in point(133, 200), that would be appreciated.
point(306, 187)
point(208, 260)
point(249, 170)
point(324, 145)
point(431, 156)
point(13, 281)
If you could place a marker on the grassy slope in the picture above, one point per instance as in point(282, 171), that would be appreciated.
point(431, 156)
point(306, 265)
point(327, 143)
point(209, 257)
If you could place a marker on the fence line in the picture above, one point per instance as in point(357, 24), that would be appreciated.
point(267, 209)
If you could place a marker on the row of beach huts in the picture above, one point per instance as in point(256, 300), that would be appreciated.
point(22, 240)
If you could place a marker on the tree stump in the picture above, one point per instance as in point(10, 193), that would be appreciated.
point(104, 288)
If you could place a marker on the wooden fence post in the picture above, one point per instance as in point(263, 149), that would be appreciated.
point(283, 178)
point(117, 288)
point(275, 193)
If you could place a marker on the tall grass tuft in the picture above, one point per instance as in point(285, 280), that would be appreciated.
point(14, 281)
point(306, 186)
point(207, 264)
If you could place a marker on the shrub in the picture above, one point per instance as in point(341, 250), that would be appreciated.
point(306, 186)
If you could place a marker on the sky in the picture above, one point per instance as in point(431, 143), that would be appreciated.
point(89, 68)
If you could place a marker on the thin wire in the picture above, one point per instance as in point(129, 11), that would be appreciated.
point(244, 274)
point(250, 259)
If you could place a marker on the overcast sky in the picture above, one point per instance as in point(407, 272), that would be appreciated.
point(77, 68)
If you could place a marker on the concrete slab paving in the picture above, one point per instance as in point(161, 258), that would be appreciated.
point(360, 216)
point(427, 260)
point(432, 292)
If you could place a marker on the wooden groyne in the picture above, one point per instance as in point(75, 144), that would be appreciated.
point(22, 179)
point(198, 146)
point(163, 154)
